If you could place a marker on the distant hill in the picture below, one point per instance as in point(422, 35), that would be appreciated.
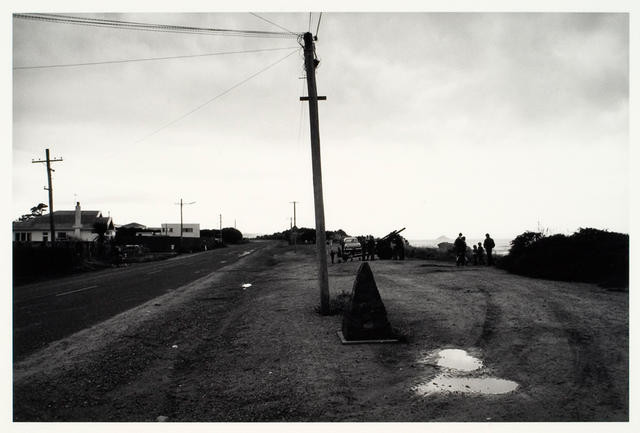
point(440, 239)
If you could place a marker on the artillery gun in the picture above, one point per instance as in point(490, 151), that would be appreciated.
point(383, 245)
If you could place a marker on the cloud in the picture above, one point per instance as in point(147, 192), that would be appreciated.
point(429, 118)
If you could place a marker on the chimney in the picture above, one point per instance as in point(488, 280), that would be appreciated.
point(78, 221)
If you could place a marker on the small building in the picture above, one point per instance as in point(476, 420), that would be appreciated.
point(173, 230)
point(68, 224)
point(136, 229)
point(150, 231)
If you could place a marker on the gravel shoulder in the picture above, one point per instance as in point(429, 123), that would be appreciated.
point(215, 351)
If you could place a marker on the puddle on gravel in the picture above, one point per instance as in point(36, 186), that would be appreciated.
point(471, 385)
point(246, 285)
point(458, 359)
point(458, 364)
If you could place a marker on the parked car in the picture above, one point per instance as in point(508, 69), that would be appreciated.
point(351, 248)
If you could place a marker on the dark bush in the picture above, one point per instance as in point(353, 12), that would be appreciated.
point(589, 255)
point(32, 261)
point(303, 234)
point(427, 253)
point(231, 235)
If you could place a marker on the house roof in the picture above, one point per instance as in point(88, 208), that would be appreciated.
point(132, 226)
point(64, 220)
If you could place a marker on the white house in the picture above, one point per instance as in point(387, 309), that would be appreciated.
point(188, 230)
point(68, 224)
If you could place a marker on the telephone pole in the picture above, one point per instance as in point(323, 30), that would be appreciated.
point(48, 160)
point(220, 229)
point(310, 63)
point(182, 204)
point(294, 212)
point(294, 229)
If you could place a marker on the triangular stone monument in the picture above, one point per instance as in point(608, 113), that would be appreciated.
point(365, 318)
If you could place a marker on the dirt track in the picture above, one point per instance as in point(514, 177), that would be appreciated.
point(212, 351)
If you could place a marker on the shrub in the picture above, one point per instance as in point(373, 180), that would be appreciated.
point(427, 253)
point(231, 235)
point(589, 255)
point(337, 304)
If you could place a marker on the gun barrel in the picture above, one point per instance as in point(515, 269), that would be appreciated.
point(393, 233)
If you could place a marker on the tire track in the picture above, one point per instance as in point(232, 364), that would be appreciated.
point(491, 318)
point(591, 376)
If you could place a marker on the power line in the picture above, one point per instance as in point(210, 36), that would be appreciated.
point(301, 117)
point(217, 96)
point(318, 28)
point(66, 65)
point(131, 25)
point(271, 22)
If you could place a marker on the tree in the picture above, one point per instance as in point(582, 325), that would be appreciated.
point(100, 228)
point(36, 211)
point(231, 235)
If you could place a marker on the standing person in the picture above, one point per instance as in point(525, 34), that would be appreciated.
point(480, 254)
point(457, 248)
point(371, 246)
point(363, 248)
point(400, 248)
point(489, 245)
point(463, 249)
point(475, 255)
point(394, 249)
point(332, 251)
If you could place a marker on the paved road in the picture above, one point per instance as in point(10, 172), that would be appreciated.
point(48, 311)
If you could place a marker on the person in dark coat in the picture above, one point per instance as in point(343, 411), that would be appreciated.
point(460, 248)
point(363, 249)
point(489, 245)
point(475, 255)
point(371, 246)
point(480, 254)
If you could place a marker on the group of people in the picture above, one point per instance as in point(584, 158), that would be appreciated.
point(368, 245)
point(478, 252)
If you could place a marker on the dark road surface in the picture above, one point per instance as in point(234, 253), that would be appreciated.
point(48, 311)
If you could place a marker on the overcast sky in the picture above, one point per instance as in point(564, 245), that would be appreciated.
point(438, 122)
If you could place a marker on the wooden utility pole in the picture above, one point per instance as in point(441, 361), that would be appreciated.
point(181, 204)
point(220, 229)
point(294, 212)
point(48, 160)
point(294, 229)
point(310, 63)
